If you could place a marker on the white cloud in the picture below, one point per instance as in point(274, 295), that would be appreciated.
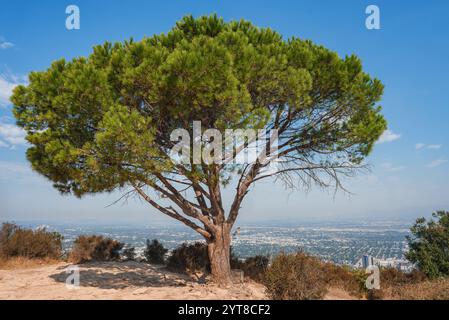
point(434, 146)
point(436, 163)
point(7, 83)
point(419, 146)
point(11, 135)
point(390, 167)
point(6, 45)
point(388, 136)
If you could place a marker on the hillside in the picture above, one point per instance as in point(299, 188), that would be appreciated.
point(115, 280)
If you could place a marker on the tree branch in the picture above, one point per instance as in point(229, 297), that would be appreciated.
point(172, 213)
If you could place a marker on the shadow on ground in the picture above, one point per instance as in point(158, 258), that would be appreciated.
point(120, 275)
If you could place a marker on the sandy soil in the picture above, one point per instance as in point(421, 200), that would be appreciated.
point(338, 294)
point(116, 280)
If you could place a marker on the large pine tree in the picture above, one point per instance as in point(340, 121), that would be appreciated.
point(103, 122)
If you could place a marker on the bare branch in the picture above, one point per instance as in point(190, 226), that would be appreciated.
point(172, 213)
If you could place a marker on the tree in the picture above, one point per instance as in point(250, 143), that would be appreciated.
point(103, 122)
point(429, 245)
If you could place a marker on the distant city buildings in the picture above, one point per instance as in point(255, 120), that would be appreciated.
point(342, 244)
point(400, 264)
point(367, 261)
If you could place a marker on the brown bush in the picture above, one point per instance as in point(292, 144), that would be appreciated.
point(32, 244)
point(352, 281)
point(414, 285)
point(189, 258)
point(295, 276)
point(437, 289)
point(395, 277)
point(97, 248)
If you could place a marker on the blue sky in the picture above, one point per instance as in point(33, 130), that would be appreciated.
point(410, 169)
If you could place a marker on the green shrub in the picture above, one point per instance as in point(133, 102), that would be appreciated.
point(129, 254)
point(189, 258)
point(97, 248)
point(429, 245)
point(155, 252)
point(253, 267)
point(295, 276)
point(19, 242)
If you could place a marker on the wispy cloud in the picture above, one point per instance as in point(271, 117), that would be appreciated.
point(390, 167)
point(421, 145)
point(388, 136)
point(8, 82)
point(6, 88)
point(11, 135)
point(6, 45)
point(436, 163)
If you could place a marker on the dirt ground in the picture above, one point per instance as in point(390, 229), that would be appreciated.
point(121, 281)
point(115, 280)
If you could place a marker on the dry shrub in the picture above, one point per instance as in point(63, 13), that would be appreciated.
point(412, 286)
point(295, 276)
point(33, 244)
point(394, 277)
point(253, 267)
point(189, 258)
point(437, 289)
point(96, 248)
point(351, 281)
point(155, 252)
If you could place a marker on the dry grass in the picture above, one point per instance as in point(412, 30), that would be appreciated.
point(437, 289)
point(295, 276)
point(350, 281)
point(25, 263)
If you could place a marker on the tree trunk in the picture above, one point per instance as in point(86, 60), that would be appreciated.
point(219, 249)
